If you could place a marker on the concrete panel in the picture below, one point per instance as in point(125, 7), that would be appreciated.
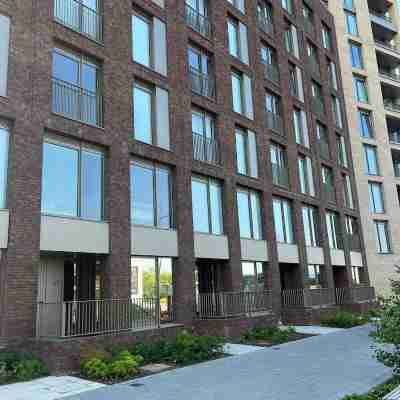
point(147, 241)
point(356, 259)
point(4, 221)
point(254, 250)
point(337, 257)
point(288, 253)
point(315, 255)
point(74, 235)
point(211, 246)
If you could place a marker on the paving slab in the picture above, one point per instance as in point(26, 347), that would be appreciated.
point(324, 367)
point(315, 329)
point(49, 388)
point(155, 368)
point(234, 349)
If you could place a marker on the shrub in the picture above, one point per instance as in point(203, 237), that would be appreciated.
point(17, 367)
point(379, 392)
point(343, 319)
point(274, 335)
point(161, 351)
point(95, 368)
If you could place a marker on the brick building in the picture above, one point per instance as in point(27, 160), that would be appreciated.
point(172, 161)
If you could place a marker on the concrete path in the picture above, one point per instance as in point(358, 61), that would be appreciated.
point(325, 367)
point(315, 329)
point(50, 388)
point(235, 349)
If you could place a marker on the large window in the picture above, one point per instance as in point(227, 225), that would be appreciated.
point(142, 113)
point(151, 195)
point(360, 89)
point(356, 55)
point(253, 276)
point(311, 226)
point(207, 206)
point(371, 160)
point(347, 191)
point(306, 175)
point(315, 276)
point(280, 171)
point(205, 146)
point(72, 180)
point(152, 279)
point(382, 237)
point(233, 37)
point(246, 152)
point(334, 230)
point(376, 203)
point(283, 221)
point(351, 23)
point(249, 212)
point(365, 124)
point(300, 127)
point(4, 139)
point(237, 93)
point(326, 37)
point(141, 32)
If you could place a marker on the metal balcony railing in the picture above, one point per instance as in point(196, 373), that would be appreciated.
point(389, 75)
point(387, 45)
point(308, 297)
point(265, 25)
point(318, 107)
point(329, 192)
point(205, 149)
point(357, 294)
point(202, 84)
point(280, 175)
point(394, 137)
point(382, 16)
point(232, 304)
point(77, 16)
point(198, 22)
point(275, 123)
point(390, 105)
point(271, 72)
point(77, 103)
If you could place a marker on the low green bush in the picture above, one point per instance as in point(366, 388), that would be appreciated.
point(161, 351)
point(379, 392)
point(343, 319)
point(272, 334)
point(18, 367)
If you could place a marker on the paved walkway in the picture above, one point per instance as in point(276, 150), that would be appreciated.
point(325, 367)
point(315, 329)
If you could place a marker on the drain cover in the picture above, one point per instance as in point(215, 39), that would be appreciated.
point(136, 384)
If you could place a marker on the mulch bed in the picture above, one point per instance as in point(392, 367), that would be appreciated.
point(266, 343)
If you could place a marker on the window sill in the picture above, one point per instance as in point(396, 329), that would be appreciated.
point(152, 227)
point(79, 121)
point(73, 218)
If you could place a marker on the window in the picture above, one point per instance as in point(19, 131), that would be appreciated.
point(269, 59)
point(283, 221)
point(207, 206)
point(308, 14)
point(205, 146)
point(310, 220)
point(239, 4)
point(253, 276)
point(356, 56)
point(371, 160)
point(264, 17)
point(352, 234)
point(287, 5)
point(351, 23)
point(196, 15)
point(249, 211)
point(306, 175)
point(4, 145)
point(317, 100)
point(291, 40)
point(348, 5)
point(242, 100)
point(332, 75)
point(76, 87)
point(382, 237)
point(280, 173)
point(347, 192)
point(315, 276)
point(342, 151)
point(151, 195)
point(337, 112)
point(295, 82)
point(357, 275)
point(233, 37)
point(360, 89)
point(365, 124)
point(4, 50)
point(200, 72)
point(151, 278)
point(141, 40)
point(313, 61)
point(72, 180)
point(300, 127)
point(334, 230)
point(323, 142)
point(326, 37)
point(376, 203)
point(328, 184)
point(246, 153)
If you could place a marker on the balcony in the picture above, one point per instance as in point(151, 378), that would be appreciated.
point(307, 297)
point(77, 103)
point(382, 19)
point(198, 22)
point(389, 75)
point(280, 175)
point(357, 294)
point(275, 123)
point(271, 72)
point(101, 317)
point(396, 162)
point(393, 126)
point(265, 25)
point(391, 105)
point(232, 304)
point(318, 107)
point(205, 149)
point(202, 84)
point(77, 16)
point(386, 45)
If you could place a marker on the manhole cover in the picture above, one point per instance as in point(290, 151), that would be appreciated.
point(136, 384)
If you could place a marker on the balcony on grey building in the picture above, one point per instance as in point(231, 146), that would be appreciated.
point(77, 15)
point(202, 84)
point(317, 106)
point(275, 123)
point(388, 45)
point(391, 96)
point(389, 67)
point(205, 149)
point(381, 21)
point(271, 72)
point(396, 162)
point(393, 126)
point(197, 21)
point(280, 175)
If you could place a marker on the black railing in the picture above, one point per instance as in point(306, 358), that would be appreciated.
point(205, 149)
point(198, 22)
point(77, 103)
point(202, 84)
point(79, 17)
point(390, 105)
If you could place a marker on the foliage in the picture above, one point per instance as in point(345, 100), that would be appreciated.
point(18, 367)
point(161, 351)
point(121, 366)
point(379, 392)
point(343, 319)
point(387, 335)
point(272, 334)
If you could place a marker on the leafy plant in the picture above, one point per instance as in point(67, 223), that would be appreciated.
point(379, 392)
point(272, 334)
point(95, 368)
point(161, 351)
point(343, 319)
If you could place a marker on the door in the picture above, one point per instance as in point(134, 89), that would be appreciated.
point(50, 296)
